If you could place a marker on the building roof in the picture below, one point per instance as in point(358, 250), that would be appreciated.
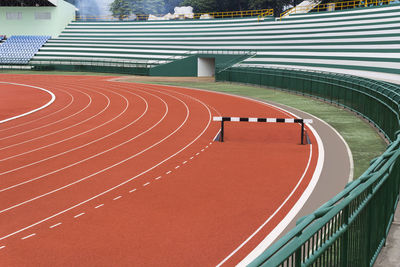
point(22, 3)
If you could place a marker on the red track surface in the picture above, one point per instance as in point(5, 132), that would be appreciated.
point(118, 174)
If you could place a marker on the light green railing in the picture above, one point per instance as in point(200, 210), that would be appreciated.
point(351, 228)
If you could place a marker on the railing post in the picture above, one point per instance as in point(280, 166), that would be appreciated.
point(302, 132)
point(297, 260)
point(345, 239)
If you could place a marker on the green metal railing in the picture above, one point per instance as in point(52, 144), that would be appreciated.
point(131, 66)
point(351, 228)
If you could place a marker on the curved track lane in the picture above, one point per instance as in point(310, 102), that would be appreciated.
point(127, 174)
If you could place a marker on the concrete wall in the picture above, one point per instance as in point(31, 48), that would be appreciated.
point(26, 20)
point(205, 67)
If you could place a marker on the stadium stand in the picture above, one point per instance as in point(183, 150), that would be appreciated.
point(20, 49)
point(290, 54)
point(304, 7)
point(362, 39)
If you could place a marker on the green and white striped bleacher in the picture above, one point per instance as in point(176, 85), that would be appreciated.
point(365, 39)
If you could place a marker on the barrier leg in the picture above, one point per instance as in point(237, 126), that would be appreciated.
point(302, 133)
point(222, 131)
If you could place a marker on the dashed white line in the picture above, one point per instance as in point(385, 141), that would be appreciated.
point(191, 158)
point(55, 225)
point(99, 206)
point(112, 188)
point(133, 190)
point(177, 167)
point(202, 150)
point(146, 184)
point(2, 247)
point(210, 143)
point(116, 198)
point(184, 162)
point(158, 178)
point(197, 154)
point(206, 146)
point(28, 236)
point(79, 215)
point(168, 172)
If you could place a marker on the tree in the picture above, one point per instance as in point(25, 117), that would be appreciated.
point(201, 6)
point(120, 9)
point(204, 6)
point(278, 6)
point(154, 7)
point(171, 4)
point(147, 6)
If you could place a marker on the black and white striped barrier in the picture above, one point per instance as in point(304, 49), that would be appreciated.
point(268, 120)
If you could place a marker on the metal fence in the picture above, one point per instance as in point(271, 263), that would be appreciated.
point(351, 228)
point(209, 15)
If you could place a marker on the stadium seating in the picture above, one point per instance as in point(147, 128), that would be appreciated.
point(363, 39)
point(19, 49)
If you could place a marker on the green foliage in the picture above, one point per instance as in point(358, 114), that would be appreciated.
point(147, 6)
point(171, 4)
point(120, 9)
point(201, 6)
point(204, 6)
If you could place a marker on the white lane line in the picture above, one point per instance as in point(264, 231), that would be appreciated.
point(79, 215)
point(168, 172)
point(191, 158)
point(197, 154)
point(105, 169)
point(49, 115)
point(184, 162)
point(2, 247)
point(79, 147)
point(210, 143)
point(53, 98)
point(133, 190)
point(146, 184)
point(206, 146)
point(273, 215)
point(99, 206)
point(86, 144)
point(76, 163)
point(55, 225)
point(177, 167)
point(158, 178)
point(51, 123)
point(116, 198)
point(28, 236)
point(42, 136)
point(121, 184)
point(296, 208)
point(202, 150)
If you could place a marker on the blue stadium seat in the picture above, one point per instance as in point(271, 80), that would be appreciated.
point(20, 49)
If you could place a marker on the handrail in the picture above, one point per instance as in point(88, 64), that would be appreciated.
point(351, 228)
point(93, 61)
point(128, 63)
point(203, 52)
point(269, 12)
point(215, 15)
point(335, 6)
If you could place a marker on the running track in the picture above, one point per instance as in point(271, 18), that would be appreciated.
point(120, 174)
